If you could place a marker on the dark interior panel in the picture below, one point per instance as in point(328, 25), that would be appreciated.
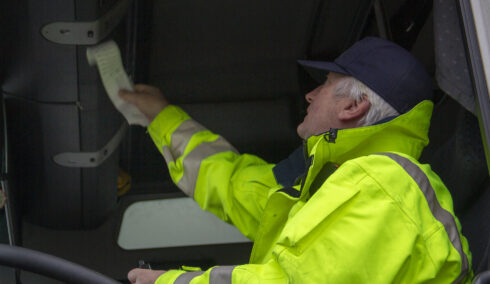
point(38, 69)
point(219, 51)
point(46, 188)
point(57, 104)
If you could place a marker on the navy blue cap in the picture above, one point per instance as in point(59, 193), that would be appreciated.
point(385, 67)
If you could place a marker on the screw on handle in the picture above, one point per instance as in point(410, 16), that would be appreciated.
point(144, 265)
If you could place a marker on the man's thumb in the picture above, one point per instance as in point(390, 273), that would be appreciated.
point(133, 275)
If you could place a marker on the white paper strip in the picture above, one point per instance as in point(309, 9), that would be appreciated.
point(107, 57)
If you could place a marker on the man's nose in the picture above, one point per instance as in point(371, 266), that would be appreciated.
point(309, 97)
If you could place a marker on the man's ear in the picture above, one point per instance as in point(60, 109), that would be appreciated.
point(353, 110)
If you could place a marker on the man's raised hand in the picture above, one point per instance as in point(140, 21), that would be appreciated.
point(148, 99)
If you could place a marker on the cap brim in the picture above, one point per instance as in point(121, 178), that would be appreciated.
point(318, 70)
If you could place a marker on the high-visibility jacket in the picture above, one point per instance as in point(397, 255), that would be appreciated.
point(380, 217)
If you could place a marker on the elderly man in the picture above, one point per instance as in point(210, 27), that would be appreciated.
point(360, 210)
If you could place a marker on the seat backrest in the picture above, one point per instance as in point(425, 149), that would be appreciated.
point(232, 65)
point(476, 228)
point(460, 162)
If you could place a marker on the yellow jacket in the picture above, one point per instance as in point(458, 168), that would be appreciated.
point(380, 217)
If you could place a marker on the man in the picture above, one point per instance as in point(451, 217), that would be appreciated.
point(363, 210)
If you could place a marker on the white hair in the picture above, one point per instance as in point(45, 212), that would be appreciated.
point(351, 87)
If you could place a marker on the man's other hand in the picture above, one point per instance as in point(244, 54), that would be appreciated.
point(144, 276)
point(148, 99)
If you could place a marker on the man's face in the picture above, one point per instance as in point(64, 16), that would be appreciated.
point(322, 113)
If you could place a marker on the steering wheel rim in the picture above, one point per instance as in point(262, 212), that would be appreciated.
point(50, 266)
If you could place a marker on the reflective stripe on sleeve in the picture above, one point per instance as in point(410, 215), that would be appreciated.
point(218, 275)
point(167, 155)
point(192, 162)
point(187, 277)
point(182, 135)
point(180, 138)
point(221, 275)
point(442, 215)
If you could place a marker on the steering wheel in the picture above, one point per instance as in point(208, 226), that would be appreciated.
point(49, 265)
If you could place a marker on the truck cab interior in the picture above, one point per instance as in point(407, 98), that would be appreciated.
point(232, 66)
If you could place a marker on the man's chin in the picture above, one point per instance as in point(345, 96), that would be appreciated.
point(301, 131)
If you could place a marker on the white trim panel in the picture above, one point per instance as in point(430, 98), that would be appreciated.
point(175, 222)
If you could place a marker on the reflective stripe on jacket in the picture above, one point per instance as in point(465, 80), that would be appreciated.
point(381, 217)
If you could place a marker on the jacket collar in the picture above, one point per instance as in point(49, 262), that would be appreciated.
point(407, 133)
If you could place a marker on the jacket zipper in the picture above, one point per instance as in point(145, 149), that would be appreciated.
point(331, 135)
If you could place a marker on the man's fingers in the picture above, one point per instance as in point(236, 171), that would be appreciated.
point(149, 100)
point(133, 275)
point(142, 88)
point(125, 93)
point(128, 96)
point(144, 276)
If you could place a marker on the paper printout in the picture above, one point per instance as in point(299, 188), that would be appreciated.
point(107, 57)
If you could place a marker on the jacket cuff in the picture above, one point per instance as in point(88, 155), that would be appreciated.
point(161, 128)
point(169, 276)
